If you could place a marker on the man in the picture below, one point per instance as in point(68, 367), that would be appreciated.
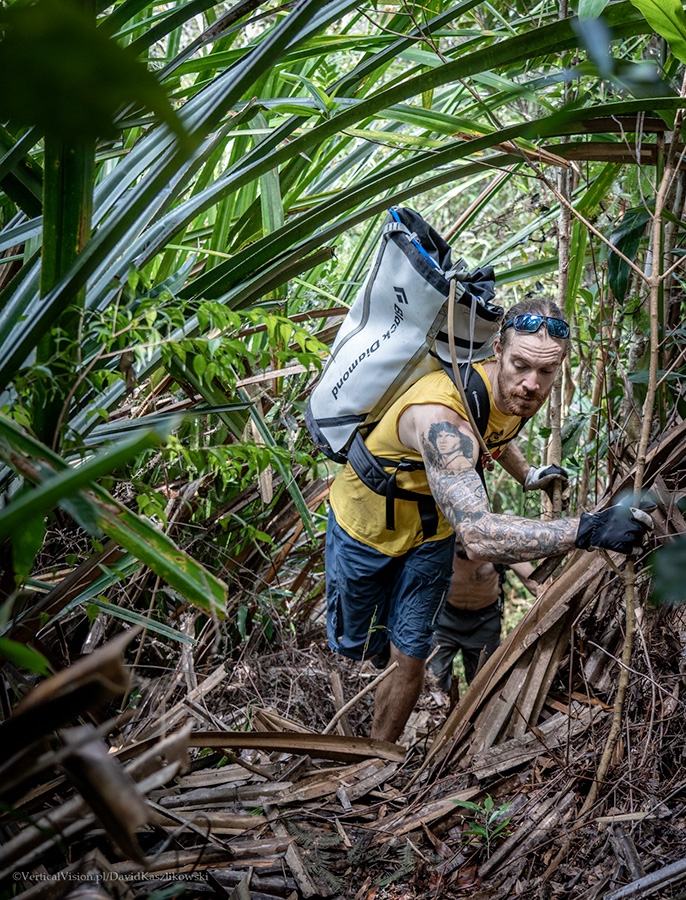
point(386, 586)
point(471, 618)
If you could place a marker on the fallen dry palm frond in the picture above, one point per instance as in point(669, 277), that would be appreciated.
point(525, 664)
point(83, 686)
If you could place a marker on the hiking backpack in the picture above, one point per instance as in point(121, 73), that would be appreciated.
point(394, 333)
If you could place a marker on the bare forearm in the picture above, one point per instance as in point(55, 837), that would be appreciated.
point(458, 491)
point(508, 539)
point(514, 462)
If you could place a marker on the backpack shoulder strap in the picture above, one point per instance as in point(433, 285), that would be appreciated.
point(475, 391)
point(479, 401)
point(371, 470)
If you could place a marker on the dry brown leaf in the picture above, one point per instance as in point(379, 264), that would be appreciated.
point(107, 788)
point(86, 684)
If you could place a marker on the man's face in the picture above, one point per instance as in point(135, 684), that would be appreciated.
point(526, 370)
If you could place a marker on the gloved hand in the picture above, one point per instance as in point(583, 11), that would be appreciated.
point(621, 528)
point(544, 478)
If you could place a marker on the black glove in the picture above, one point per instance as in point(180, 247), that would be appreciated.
point(621, 528)
point(544, 479)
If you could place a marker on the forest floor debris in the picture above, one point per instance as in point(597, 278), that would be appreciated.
point(283, 821)
point(254, 777)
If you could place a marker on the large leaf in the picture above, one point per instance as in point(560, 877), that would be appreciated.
point(136, 618)
point(668, 19)
point(107, 788)
point(595, 36)
point(56, 486)
point(221, 278)
point(201, 115)
point(626, 237)
point(71, 57)
point(157, 551)
point(134, 533)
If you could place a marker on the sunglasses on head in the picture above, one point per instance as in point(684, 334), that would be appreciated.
point(528, 323)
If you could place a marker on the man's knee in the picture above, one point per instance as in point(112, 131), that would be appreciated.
point(408, 666)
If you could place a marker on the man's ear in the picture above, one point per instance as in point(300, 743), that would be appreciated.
point(497, 348)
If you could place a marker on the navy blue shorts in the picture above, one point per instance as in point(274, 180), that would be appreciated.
point(372, 598)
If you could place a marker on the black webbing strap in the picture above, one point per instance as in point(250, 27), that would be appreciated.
point(476, 391)
point(480, 405)
point(371, 472)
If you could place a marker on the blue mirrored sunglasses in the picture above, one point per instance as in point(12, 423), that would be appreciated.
point(530, 323)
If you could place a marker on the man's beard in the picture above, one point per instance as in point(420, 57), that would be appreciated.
point(525, 404)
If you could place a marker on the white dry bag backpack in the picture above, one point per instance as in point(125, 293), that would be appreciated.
point(396, 331)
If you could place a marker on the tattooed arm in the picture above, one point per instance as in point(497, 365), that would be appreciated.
point(449, 450)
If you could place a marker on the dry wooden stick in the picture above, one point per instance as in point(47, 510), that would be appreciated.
point(356, 699)
point(337, 687)
point(553, 454)
point(651, 883)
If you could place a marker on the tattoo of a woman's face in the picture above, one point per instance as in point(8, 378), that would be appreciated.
point(445, 445)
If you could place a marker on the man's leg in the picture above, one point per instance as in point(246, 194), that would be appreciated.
point(359, 581)
point(447, 637)
point(418, 594)
point(396, 696)
point(481, 632)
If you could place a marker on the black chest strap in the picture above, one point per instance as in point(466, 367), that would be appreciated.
point(371, 472)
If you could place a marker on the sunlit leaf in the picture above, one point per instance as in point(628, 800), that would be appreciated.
point(668, 19)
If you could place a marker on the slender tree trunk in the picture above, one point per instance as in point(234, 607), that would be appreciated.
point(67, 212)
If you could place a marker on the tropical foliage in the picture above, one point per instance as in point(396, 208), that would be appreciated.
point(191, 190)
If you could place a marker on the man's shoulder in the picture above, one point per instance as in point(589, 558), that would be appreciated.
point(437, 384)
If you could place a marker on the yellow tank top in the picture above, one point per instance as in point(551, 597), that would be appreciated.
point(362, 513)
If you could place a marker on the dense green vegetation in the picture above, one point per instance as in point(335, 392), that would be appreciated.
point(190, 189)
